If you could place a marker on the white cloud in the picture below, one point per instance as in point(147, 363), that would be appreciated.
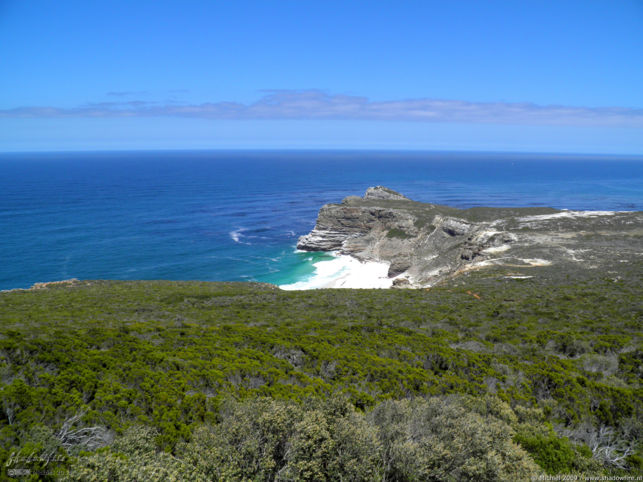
point(318, 105)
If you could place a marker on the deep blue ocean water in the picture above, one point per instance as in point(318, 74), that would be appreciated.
point(237, 215)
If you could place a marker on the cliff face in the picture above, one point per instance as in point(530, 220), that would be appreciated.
point(425, 243)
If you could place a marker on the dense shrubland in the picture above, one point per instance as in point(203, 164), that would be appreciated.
point(488, 380)
point(267, 439)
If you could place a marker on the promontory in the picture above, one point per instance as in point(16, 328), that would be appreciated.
point(426, 243)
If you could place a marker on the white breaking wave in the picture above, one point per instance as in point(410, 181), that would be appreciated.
point(345, 272)
point(237, 234)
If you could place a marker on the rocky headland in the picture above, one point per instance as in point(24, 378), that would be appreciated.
point(427, 243)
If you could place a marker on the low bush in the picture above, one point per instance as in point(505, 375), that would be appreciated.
point(166, 355)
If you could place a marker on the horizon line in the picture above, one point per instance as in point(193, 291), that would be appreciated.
point(324, 149)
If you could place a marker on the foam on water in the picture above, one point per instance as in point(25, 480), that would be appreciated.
point(235, 235)
point(344, 272)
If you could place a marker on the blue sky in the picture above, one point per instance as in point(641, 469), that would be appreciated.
point(549, 76)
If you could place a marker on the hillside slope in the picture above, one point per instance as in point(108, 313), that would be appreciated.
point(163, 361)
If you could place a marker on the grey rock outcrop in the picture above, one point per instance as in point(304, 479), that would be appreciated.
point(384, 193)
point(426, 243)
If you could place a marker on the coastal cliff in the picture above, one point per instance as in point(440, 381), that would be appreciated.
point(426, 243)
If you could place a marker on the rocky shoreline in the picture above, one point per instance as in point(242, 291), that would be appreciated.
point(426, 243)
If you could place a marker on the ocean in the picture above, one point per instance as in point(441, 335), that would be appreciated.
point(236, 215)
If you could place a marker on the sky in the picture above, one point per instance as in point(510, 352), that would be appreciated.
point(537, 76)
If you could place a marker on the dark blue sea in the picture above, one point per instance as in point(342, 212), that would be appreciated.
point(236, 215)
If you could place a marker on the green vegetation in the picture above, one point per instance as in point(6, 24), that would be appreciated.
point(398, 233)
point(422, 222)
point(488, 379)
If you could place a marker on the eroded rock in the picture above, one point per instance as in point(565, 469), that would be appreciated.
point(426, 243)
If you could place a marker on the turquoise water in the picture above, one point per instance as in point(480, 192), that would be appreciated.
point(237, 215)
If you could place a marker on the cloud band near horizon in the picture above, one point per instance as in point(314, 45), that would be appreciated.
point(318, 105)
